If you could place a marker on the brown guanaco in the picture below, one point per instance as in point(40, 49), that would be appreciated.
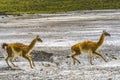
point(88, 47)
point(20, 49)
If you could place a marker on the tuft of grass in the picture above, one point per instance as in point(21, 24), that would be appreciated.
point(54, 6)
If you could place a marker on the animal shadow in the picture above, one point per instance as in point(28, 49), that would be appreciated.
point(42, 56)
point(9, 69)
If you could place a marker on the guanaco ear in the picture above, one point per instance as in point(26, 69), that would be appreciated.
point(37, 36)
point(104, 31)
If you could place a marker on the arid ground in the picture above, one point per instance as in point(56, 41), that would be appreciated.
point(59, 32)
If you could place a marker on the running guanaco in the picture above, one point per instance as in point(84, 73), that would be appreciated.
point(88, 47)
point(20, 49)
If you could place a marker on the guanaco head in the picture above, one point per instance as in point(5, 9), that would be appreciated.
point(106, 33)
point(39, 39)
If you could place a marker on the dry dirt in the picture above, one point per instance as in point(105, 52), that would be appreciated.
point(59, 32)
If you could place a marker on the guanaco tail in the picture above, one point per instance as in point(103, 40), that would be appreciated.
point(88, 47)
point(20, 49)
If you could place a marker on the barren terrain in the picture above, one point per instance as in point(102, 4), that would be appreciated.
point(59, 32)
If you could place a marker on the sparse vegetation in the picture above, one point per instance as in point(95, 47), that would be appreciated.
point(54, 6)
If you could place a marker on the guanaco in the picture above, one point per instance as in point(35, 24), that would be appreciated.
point(20, 49)
point(88, 47)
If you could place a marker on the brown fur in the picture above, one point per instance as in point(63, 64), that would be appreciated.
point(4, 45)
point(20, 49)
point(88, 47)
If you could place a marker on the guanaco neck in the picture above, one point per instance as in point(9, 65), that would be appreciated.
point(101, 40)
point(32, 44)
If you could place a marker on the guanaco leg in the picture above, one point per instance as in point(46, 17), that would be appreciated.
point(100, 55)
point(91, 58)
point(11, 58)
point(75, 53)
point(7, 61)
point(31, 59)
point(9, 51)
point(27, 58)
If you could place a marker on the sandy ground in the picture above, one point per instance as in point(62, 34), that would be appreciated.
point(59, 32)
